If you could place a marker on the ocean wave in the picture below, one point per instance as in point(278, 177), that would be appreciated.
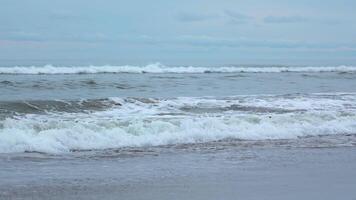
point(48, 106)
point(137, 122)
point(159, 68)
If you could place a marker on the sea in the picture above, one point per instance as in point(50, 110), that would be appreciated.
point(54, 110)
point(177, 132)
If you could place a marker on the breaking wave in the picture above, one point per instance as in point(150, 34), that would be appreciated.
point(137, 122)
point(159, 68)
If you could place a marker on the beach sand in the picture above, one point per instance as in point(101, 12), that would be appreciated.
point(251, 173)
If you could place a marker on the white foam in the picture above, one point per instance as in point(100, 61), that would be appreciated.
point(162, 122)
point(159, 68)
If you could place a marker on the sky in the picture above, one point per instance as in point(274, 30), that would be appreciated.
point(178, 32)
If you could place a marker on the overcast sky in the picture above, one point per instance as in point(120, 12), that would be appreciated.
point(179, 31)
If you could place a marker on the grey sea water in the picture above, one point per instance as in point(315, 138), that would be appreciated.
point(160, 132)
point(58, 110)
point(167, 85)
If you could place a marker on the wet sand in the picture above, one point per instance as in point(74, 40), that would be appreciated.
point(255, 173)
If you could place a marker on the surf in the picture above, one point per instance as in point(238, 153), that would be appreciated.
point(158, 68)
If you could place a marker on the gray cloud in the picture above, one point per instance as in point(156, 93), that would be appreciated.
point(185, 40)
point(216, 42)
point(22, 36)
point(222, 27)
point(63, 15)
point(195, 17)
point(236, 17)
point(285, 19)
point(92, 37)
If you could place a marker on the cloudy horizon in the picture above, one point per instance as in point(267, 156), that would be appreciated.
point(172, 32)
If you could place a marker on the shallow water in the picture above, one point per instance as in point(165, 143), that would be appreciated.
point(276, 173)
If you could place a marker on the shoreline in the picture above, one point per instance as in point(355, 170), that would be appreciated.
point(256, 173)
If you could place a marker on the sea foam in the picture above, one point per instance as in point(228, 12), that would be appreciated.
point(159, 68)
point(150, 122)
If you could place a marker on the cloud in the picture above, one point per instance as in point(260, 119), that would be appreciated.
point(285, 19)
point(64, 15)
point(237, 18)
point(21, 36)
point(203, 41)
point(195, 17)
point(217, 42)
point(46, 37)
point(236, 15)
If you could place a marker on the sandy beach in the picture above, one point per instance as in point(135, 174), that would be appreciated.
point(233, 173)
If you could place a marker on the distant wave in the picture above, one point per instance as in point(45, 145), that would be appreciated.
point(57, 127)
point(159, 68)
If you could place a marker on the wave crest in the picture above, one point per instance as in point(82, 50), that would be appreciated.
point(137, 122)
point(159, 68)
